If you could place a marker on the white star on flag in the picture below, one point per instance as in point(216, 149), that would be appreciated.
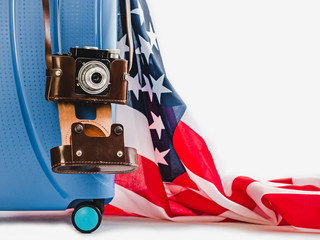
point(158, 87)
point(122, 46)
point(157, 124)
point(145, 48)
point(147, 87)
point(139, 12)
point(160, 156)
point(152, 37)
point(134, 85)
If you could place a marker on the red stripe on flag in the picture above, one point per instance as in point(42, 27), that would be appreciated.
point(239, 192)
point(112, 210)
point(299, 210)
point(195, 155)
point(146, 182)
point(302, 188)
point(283, 180)
point(198, 204)
point(177, 209)
point(184, 180)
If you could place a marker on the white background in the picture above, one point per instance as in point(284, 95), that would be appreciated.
point(249, 72)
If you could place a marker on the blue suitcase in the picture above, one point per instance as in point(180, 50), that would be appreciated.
point(29, 123)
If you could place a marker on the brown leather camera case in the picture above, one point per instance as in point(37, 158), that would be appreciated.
point(61, 81)
point(92, 154)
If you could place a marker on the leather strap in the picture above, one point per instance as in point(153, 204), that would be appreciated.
point(48, 49)
point(46, 16)
point(129, 33)
point(62, 157)
point(67, 117)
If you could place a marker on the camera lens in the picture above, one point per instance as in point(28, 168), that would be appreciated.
point(96, 77)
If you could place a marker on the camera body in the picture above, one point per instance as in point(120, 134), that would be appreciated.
point(88, 75)
point(93, 69)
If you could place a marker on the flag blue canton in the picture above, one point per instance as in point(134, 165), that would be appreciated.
point(150, 92)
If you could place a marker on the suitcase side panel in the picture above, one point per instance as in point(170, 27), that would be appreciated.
point(30, 125)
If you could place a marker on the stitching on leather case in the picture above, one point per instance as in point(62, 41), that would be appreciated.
point(109, 100)
point(101, 163)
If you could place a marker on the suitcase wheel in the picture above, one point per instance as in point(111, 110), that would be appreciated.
point(86, 217)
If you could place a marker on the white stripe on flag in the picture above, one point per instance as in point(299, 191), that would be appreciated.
point(301, 181)
point(256, 194)
point(136, 131)
point(308, 230)
point(240, 212)
point(262, 189)
point(227, 182)
point(131, 202)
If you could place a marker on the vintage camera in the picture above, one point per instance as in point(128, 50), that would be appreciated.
point(93, 69)
point(87, 75)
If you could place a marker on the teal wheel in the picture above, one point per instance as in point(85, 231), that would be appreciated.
point(86, 217)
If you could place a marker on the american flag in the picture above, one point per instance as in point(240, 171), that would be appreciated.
point(177, 178)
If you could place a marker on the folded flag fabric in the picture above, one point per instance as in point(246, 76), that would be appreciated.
point(177, 178)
